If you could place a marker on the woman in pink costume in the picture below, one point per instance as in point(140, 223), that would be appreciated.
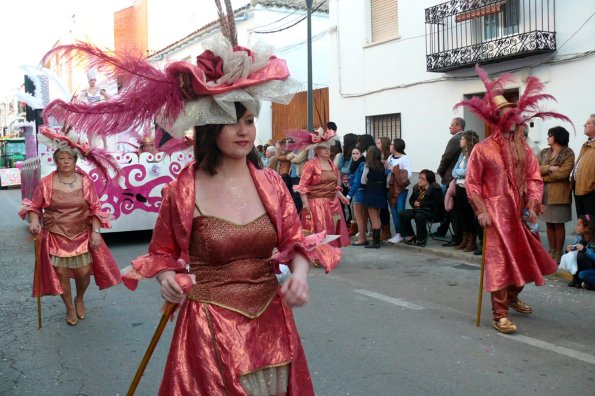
point(320, 189)
point(221, 221)
point(66, 217)
point(504, 186)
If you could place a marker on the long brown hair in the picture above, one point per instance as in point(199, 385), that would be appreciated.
point(373, 161)
point(472, 139)
point(385, 144)
point(206, 153)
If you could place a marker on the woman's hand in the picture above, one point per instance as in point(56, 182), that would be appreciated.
point(416, 204)
point(569, 248)
point(484, 220)
point(94, 240)
point(170, 290)
point(532, 216)
point(579, 247)
point(34, 227)
point(553, 168)
point(342, 198)
point(295, 290)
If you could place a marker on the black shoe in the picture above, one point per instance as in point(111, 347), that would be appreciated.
point(574, 283)
point(452, 242)
point(587, 286)
point(477, 252)
point(409, 241)
point(375, 240)
point(421, 243)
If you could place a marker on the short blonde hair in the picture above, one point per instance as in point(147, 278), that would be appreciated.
point(68, 150)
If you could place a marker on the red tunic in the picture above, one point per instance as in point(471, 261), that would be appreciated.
point(104, 267)
point(503, 178)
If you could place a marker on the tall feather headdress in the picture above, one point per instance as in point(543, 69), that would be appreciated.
point(527, 107)
point(181, 96)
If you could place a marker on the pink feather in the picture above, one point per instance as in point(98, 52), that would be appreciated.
point(175, 144)
point(300, 139)
point(146, 93)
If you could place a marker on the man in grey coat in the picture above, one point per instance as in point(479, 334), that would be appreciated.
point(447, 163)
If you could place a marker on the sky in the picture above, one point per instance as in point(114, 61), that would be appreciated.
point(29, 29)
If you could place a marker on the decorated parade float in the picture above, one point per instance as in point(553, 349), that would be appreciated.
point(133, 198)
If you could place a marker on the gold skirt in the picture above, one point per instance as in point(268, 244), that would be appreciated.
point(71, 262)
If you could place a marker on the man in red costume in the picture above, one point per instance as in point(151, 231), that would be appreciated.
point(505, 189)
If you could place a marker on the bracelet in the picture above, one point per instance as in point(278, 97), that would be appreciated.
point(97, 230)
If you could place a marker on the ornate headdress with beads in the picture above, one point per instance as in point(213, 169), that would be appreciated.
point(181, 96)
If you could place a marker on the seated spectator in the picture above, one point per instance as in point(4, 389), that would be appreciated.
point(585, 259)
point(427, 204)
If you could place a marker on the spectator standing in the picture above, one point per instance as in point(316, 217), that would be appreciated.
point(355, 195)
point(349, 141)
point(447, 163)
point(462, 208)
point(374, 177)
point(583, 174)
point(555, 165)
point(400, 159)
point(269, 154)
point(383, 144)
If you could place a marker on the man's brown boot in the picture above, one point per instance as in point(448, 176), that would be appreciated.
point(463, 243)
point(471, 243)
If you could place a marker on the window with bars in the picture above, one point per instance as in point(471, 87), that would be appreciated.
point(388, 125)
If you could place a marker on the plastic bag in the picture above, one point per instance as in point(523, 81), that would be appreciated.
point(568, 262)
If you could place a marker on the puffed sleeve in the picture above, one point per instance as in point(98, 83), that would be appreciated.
point(36, 203)
point(94, 204)
point(305, 185)
point(164, 250)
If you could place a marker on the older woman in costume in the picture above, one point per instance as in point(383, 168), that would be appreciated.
point(505, 188)
point(223, 217)
point(320, 190)
point(65, 213)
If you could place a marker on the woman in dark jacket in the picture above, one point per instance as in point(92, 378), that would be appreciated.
point(428, 205)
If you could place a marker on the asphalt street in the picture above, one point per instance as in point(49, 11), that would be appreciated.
point(392, 321)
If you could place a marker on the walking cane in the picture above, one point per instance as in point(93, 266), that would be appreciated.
point(167, 312)
point(37, 282)
point(483, 264)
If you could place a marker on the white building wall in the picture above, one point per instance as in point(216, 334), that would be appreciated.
point(391, 77)
point(289, 44)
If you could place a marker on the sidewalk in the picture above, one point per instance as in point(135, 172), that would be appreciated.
point(434, 247)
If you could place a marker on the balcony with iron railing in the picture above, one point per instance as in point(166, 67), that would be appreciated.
point(461, 33)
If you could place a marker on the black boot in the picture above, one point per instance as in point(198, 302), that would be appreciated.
point(375, 239)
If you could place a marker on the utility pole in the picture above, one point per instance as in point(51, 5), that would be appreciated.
point(310, 99)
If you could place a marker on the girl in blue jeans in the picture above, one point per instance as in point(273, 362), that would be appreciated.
point(398, 157)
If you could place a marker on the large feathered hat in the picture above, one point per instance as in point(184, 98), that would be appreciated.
point(181, 96)
point(489, 107)
point(304, 140)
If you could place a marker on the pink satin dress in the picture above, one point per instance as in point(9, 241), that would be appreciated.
point(68, 237)
point(234, 335)
point(320, 186)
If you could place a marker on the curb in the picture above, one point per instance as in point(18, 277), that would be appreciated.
point(466, 257)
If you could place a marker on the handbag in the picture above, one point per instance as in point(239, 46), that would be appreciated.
point(307, 222)
point(397, 183)
point(449, 197)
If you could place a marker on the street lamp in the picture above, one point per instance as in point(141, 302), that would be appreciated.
point(309, 40)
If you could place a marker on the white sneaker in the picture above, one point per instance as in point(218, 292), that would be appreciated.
point(396, 239)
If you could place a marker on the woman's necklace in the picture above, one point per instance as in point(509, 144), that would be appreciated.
point(69, 184)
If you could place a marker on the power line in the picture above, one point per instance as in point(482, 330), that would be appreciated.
point(293, 24)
